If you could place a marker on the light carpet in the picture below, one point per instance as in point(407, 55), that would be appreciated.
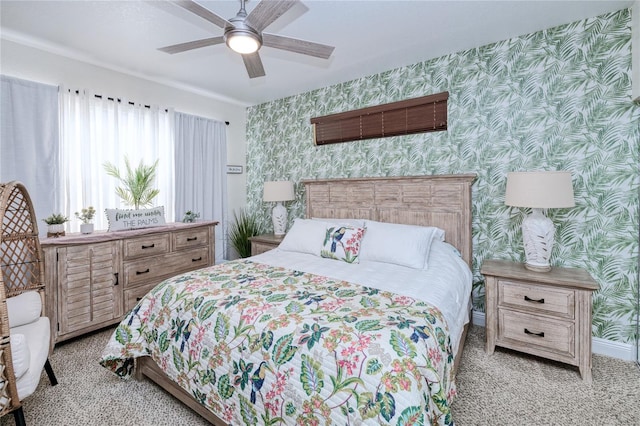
point(506, 388)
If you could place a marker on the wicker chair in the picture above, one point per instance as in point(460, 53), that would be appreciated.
point(21, 275)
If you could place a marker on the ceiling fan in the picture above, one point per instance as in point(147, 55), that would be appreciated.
point(243, 33)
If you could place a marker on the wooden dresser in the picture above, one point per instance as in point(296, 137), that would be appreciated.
point(93, 280)
point(547, 314)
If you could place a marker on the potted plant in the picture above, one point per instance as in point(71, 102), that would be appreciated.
point(190, 217)
point(55, 224)
point(244, 226)
point(86, 215)
point(136, 189)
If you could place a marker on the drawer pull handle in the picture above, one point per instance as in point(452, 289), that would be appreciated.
point(116, 277)
point(146, 247)
point(528, 299)
point(541, 334)
point(196, 260)
point(142, 272)
point(192, 239)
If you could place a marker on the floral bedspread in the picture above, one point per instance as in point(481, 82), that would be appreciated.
point(258, 344)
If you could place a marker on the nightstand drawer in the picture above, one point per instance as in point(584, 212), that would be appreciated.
point(258, 248)
point(536, 298)
point(536, 332)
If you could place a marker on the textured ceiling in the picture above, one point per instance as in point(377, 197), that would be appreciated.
point(369, 36)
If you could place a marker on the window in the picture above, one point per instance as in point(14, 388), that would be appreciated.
point(95, 130)
point(424, 114)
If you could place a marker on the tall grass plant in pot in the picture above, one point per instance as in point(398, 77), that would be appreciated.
point(244, 226)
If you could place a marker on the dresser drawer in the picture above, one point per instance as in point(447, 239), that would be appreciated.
point(147, 271)
point(146, 246)
point(190, 238)
point(133, 295)
point(543, 333)
point(536, 298)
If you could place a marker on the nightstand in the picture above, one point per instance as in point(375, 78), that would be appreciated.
point(547, 314)
point(264, 242)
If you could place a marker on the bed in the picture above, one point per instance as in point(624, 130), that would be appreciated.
point(287, 337)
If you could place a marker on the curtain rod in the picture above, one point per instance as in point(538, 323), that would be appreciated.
point(130, 103)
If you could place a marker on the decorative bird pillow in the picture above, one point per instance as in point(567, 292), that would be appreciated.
point(342, 242)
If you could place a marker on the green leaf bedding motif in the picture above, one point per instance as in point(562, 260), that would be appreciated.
point(258, 344)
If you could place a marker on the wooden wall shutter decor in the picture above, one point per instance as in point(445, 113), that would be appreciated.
point(416, 115)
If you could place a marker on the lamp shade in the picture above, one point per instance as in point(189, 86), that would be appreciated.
point(278, 191)
point(539, 190)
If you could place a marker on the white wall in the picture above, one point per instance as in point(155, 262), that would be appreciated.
point(17, 60)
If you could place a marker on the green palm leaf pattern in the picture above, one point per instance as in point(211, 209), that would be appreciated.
point(554, 99)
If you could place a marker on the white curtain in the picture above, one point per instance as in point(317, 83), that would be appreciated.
point(201, 177)
point(29, 136)
point(96, 130)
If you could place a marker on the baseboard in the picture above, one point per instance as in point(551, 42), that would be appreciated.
point(624, 351)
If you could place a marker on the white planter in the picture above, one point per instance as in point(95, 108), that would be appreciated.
point(86, 228)
point(55, 230)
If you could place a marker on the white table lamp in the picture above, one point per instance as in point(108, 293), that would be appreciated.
point(279, 191)
point(539, 190)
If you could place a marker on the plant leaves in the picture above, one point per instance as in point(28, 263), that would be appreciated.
point(311, 376)
point(368, 325)
point(248, 413)
point(221, 329)
point(123, 334)
point(411, 416)
point(387, 405)
point(283, 351)
point(402, 345)
point(225, 390)
point(206, 310)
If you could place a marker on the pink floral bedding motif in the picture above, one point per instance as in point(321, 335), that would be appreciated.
point(258, 344)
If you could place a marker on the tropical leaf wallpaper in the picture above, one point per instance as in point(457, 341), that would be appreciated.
point(558, 99)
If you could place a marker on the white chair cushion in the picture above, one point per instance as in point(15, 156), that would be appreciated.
point(24, 308)
point(38, 338)
point(20, 355)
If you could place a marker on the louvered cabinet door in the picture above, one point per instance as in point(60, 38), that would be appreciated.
point(89, 293)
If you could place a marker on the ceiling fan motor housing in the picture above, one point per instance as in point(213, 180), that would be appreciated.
point(241, 37)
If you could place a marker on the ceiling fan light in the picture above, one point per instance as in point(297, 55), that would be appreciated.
point(243, 43)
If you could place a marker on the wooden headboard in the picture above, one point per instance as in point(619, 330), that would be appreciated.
point(440, 200)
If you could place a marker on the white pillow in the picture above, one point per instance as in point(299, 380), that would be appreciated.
point(305, 236)
point(20, 354)
point(404, 245)
point(357, 223)
point(24, 308)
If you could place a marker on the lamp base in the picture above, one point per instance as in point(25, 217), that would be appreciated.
point(279, 216)
point(538, 235)
point(537, 268)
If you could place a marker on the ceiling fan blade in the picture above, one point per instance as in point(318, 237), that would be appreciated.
point(202, 12)
point(268, 11)
point(253, 63)
point(190, 45)
point(297, 45)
